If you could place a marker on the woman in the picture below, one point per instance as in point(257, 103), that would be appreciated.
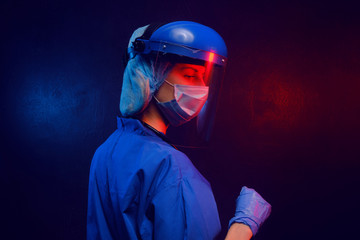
point(142, 187)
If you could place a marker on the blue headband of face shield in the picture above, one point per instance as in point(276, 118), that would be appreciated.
point(182, 38)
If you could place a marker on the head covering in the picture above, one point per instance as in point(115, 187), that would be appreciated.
point(143, 76)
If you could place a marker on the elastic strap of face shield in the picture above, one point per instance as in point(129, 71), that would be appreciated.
point(138, 44)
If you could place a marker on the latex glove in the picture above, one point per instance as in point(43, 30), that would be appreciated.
point(251, 209)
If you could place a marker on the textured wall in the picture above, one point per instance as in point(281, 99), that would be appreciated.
point(287, 121)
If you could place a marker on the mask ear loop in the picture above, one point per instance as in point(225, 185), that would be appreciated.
point(165, 81)
point(163, 116)
point(156, 99)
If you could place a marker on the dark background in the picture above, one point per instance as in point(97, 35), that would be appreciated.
point(287, 121)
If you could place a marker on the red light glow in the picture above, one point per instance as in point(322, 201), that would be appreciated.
point(211, 57)
point(208, 66)
point(277, 102)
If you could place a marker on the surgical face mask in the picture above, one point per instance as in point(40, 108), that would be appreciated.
point(187, 103)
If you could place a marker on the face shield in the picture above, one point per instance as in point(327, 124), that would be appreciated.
point(206, 118)
point(209, 73)
point(203, 54)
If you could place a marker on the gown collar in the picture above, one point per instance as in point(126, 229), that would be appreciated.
point(141, 128)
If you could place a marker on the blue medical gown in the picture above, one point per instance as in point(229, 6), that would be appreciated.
point(140, 187)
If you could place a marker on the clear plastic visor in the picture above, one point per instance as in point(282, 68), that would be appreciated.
point(206, 74)
point(206, 118)
point(196, 73)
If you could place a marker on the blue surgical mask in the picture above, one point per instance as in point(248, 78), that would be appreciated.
point(187, 103)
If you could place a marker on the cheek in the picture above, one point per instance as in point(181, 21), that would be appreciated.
point(165, 93)
point(177, 78)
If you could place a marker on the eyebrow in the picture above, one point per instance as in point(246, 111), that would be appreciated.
point(183, 68)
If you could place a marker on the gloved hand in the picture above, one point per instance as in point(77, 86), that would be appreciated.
point(251, 209)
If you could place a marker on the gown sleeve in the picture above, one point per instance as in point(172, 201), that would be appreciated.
point(185, 209)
